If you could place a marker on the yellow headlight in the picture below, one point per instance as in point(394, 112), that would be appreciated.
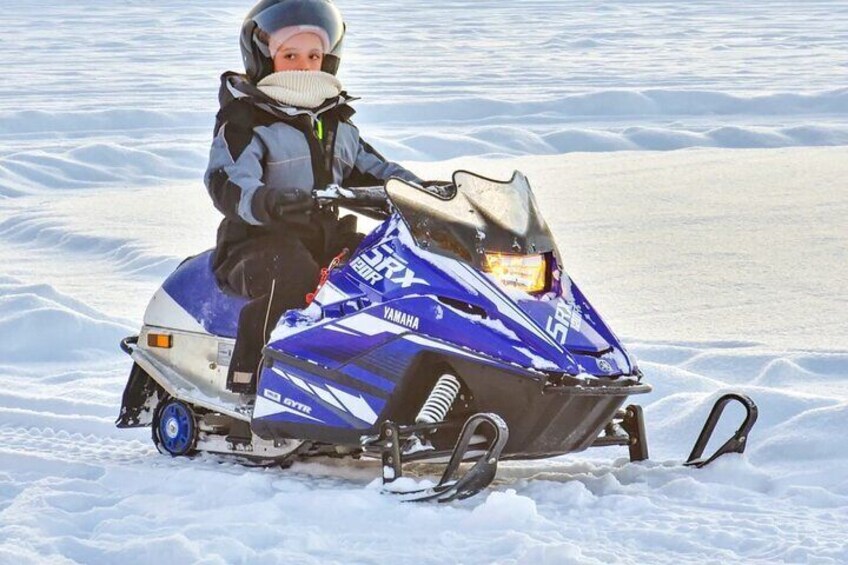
point(522, 272)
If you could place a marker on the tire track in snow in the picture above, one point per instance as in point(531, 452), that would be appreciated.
point(58, 445)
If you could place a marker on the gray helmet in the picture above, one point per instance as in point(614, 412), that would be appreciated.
point(270, 16)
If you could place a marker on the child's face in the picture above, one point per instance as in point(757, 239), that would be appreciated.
point(301, 52)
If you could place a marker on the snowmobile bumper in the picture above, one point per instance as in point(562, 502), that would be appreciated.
point(548, 416)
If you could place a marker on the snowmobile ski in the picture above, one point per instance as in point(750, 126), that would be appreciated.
point(737, 442)
point(449, 488)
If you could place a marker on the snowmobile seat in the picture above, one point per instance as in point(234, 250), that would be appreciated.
point(193, 286)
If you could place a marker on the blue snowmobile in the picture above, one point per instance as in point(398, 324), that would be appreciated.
point(452, 334)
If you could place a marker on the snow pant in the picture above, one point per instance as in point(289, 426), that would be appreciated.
point(276, 273)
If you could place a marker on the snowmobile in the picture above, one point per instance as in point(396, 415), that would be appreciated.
point(451, 335)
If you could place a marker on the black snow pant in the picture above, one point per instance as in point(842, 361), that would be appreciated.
point(276, 273)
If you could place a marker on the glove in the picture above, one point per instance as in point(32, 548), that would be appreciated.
point(277, 205)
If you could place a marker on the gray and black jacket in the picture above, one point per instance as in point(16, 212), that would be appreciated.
point(261, 146)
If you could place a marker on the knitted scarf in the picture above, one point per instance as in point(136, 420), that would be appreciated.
point(301, 89)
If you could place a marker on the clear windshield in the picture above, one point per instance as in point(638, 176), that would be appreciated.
point(484, 216)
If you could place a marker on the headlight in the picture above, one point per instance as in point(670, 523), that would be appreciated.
point(521, 272)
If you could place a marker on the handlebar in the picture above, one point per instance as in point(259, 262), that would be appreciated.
point(363, 196)
point(369, 200)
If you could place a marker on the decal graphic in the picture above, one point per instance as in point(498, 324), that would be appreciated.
point(381, 263)
point(269, 404)
point(566, 316)
point(355, 405)
point(297, 405)
point(401, 318)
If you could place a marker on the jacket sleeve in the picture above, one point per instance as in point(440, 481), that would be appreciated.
point(234, 175)
point(371, 169)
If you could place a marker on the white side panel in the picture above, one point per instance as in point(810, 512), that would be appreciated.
point(329, 294)
point(189, 390)
point(164, 312)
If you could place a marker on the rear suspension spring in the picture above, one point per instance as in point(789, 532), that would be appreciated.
point(440, 400)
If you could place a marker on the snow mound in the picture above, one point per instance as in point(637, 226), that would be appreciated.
point(28, 123)
point(808, 436)
point(40, 324)
point(603, 88)
point(38, 229)
point(504, 510)
point(801, 396)
point(89, 165)
point(497, 141)
point(39, 167)
point(606, 103)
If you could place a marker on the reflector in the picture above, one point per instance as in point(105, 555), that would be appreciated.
point(159, 340)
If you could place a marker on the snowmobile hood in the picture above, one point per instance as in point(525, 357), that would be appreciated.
point(421, 277)
point(486, 216)
point(573, 323)
point(393, 289)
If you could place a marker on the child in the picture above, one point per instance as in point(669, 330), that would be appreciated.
point(283, 130)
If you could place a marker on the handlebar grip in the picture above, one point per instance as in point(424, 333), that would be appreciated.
point(359, 196)
point(369, 196)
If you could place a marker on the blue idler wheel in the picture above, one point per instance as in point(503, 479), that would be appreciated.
point(174, 428)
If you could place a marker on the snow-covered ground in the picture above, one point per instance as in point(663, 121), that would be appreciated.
point(722, 266)
point(103, 93)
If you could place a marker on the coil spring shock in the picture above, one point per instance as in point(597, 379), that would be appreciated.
point(440, 400)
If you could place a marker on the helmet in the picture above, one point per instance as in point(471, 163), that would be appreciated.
point(270, 16)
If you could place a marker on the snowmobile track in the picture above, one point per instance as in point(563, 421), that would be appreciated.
point(61, 446)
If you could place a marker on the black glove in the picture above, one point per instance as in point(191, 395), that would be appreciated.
point(278, 205)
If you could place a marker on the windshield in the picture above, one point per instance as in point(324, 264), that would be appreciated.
point(483, 216)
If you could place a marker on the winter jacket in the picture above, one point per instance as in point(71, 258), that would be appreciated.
point(261, 146)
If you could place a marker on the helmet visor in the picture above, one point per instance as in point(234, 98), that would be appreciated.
point(279, 22)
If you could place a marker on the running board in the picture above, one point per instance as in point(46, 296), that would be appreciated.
point(737, 442)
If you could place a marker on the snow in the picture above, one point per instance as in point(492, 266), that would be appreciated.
point(690, 158)
point(628, 76)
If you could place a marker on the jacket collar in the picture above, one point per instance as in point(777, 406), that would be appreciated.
point(235, 86)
